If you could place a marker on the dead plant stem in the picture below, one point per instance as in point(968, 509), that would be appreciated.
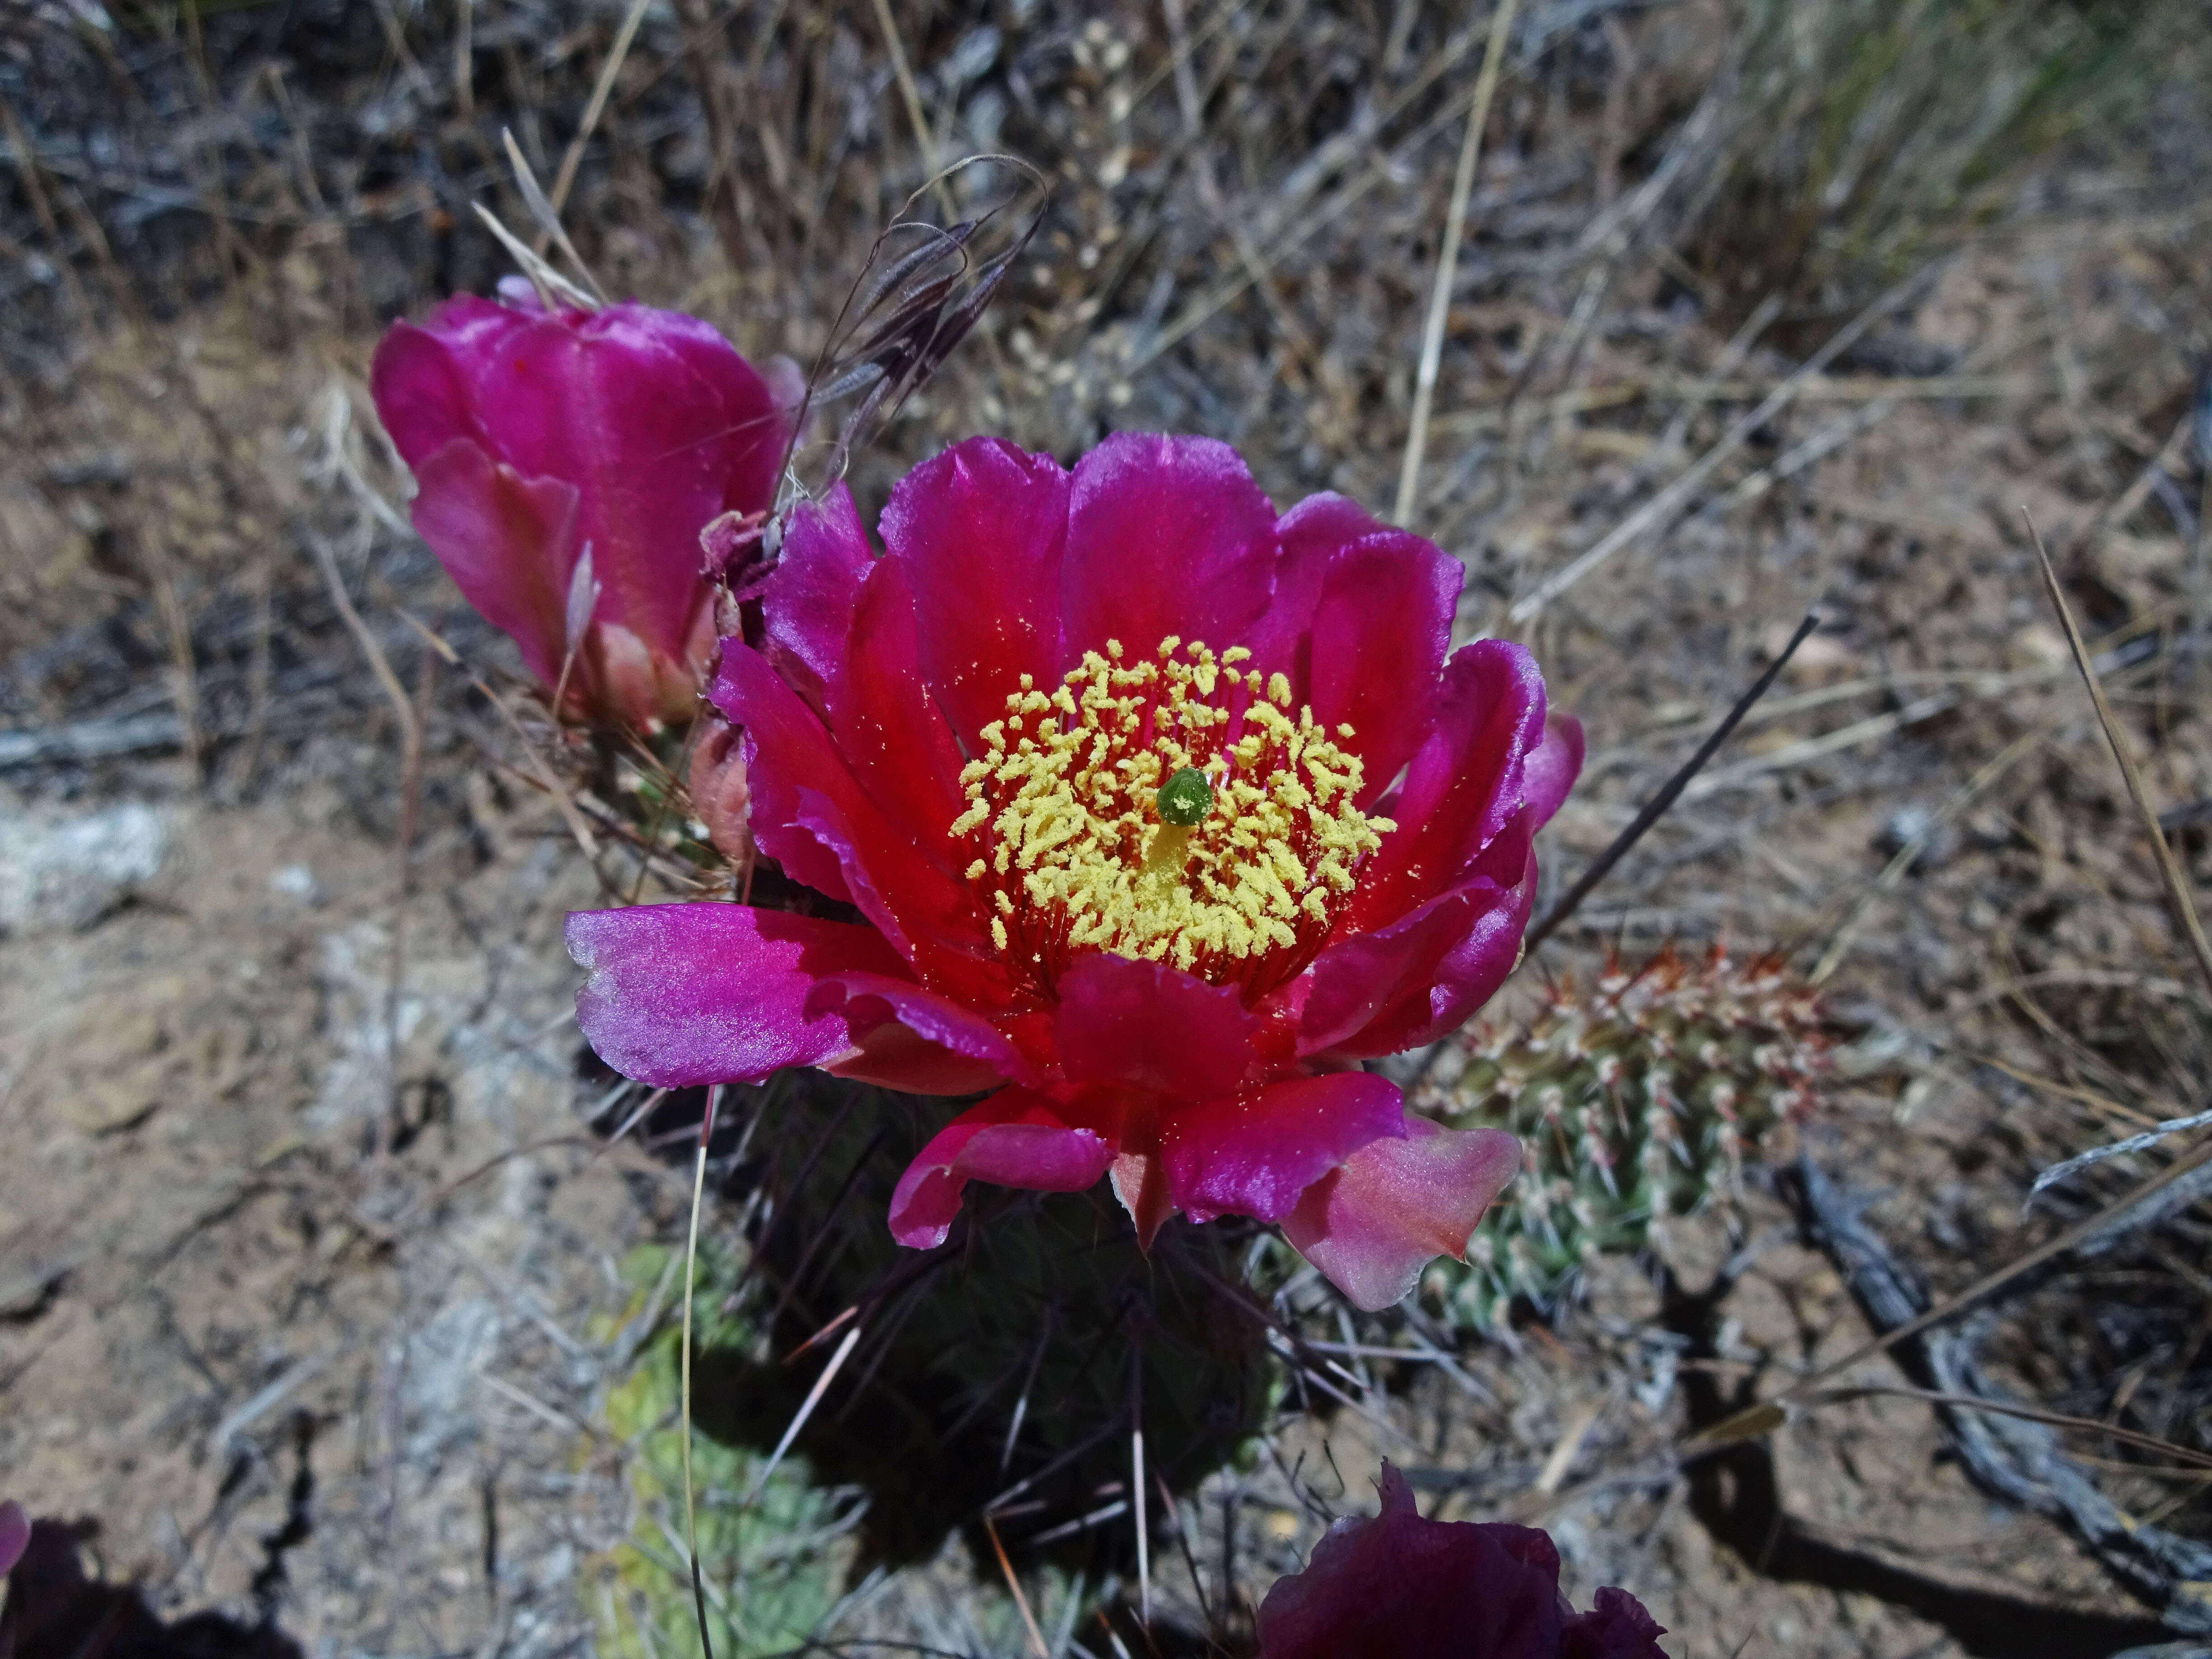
point(2177, 887)
point(1432, 332)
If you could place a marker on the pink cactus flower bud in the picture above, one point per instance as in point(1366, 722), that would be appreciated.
point(1394, 1586)
point(567, 462)
point(718, 795)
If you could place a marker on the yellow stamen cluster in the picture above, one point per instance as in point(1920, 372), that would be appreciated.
point(1070, 852)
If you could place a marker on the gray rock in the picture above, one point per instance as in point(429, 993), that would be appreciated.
point(63, 872)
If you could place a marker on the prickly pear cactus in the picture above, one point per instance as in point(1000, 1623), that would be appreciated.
point(1636, 1100)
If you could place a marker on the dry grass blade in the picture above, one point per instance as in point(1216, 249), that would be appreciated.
point(2137, 1143)
point(1662, 508)
point(1656, 808)
point(547, 281)
point(1767, 1415)
point(548, 217)
point(1432, 332)
point(690, 1281)
point(2025, 1414)
point(573, 155)
point(2176, 889)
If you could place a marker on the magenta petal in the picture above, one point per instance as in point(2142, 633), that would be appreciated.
point(886, 726)
point(1165, 536)
point(508, 542)
point(14, 1536)
point(688, 993)
point(806, 608)
point(1253, 1153)
point(1151, 1027)
point(1013, 1139)
point(1395, 1206)
point(941, 1021)
point(423, 399)
point(1552, 767)
point(1462, 785)
point(1408, 983)
point(785, 746)
point(980, 532)
point(1357, 977)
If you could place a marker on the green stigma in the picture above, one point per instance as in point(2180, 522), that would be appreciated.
point(1186, 799)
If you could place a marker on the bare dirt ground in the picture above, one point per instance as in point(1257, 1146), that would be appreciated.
point(309, 1358)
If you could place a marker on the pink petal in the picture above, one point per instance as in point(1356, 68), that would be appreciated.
point(688, 993)
point(653, 417)
point(1462, 785)
point(1165, 536)
point(422, 396)
point(1552, 767)
point(1013, 1139)
point(785, 746)
point(806, 607)
point(980, 532)
point(1310, 535)
point(1395, 1206)
point(508, 542)
point(1253, 1153)
point(1149, 1027)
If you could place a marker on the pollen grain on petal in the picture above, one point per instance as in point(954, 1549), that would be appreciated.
point(1070, 851)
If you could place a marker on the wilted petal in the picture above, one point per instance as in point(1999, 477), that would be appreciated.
point(716, 784)
point(14, 1536)
point(1396, 1586)
point(1254, 1152)
point(1015, 1139)
point(1372, 1224)
point(1617, 1626)
point(687, 993)
point(1165, 536)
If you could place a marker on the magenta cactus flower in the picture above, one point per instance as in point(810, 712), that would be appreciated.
point(567, 463)
point(1160, 812)
point(1394, 1586)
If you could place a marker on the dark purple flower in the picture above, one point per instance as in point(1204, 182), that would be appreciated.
point(1396, 1586)
point(1161, 811)
point(14, 1536)
point(567, 462)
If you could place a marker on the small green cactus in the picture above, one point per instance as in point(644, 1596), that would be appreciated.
point(773, 1563)
point(1636, 1101)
